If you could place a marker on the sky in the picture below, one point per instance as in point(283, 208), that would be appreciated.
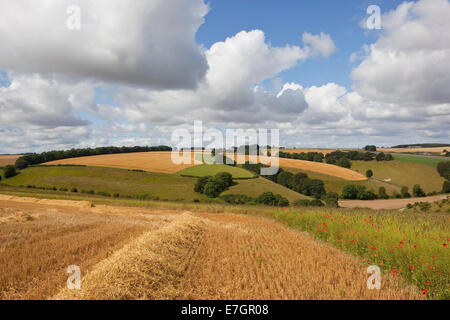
point(78, 73)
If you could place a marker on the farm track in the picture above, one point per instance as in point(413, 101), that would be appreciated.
point(131, 253)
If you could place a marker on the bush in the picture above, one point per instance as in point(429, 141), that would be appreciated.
point(364, 194)
point(344, 162)
point(316, 203)
point(446, 187)
point(382, 193)
point(388, 157)
point(21, 164)
point(444, 169)
point(418, 192)
point(9, 171)
point(74, 190)
point(404, 193)
point(237, 199)
point(116, 195)
point(331, 199)
point(199, 186)
point(103, 193)
point(271, 199)
point(302, 203)
point(369, 173)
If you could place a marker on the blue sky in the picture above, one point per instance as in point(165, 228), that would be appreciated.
point(284, 21)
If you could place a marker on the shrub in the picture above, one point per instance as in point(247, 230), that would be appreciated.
point(74, 190)
point(388, 157)
point(103, 193)
point(237, 199)
point(21, 164)
point(270, 199)
point(63, 189)
point(316, 203)
point(369, 173)
point(443, 168)
point(9, 171)
point(446, 187)
point(344, 162)
point(331, 199)
point(404, 193)
point(364, 194)
point(196, 200)
point(382, 193)
point(116, 195)
point(418, 192)
point(199, 186)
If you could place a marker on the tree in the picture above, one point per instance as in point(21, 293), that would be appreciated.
point(443, 168)
point(299, 182)
point(225, 178)
point(21, 164)
point(364, 194)
point(9, 171)
point(369, 173)
point(418, 192)
point(315, 188)
point(285, 179)
point(382, 193)
point(344, 162)
point(370, 148)
point(213, 188)
point(388, 157)
point(270, 199)
point(404, 193)
point(349, 192)
point(380, 157)
point(200, 184)
point(318, 157)
point(446, 187)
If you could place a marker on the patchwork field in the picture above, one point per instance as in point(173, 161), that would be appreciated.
point(162, 162)
point(401, 173)
point(131, 253)
point(419, 159)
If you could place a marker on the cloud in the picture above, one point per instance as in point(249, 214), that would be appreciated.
point(410, 62)
point(145, 43)
point(320, 44)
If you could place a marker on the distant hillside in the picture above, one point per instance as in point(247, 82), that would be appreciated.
point(422, 145)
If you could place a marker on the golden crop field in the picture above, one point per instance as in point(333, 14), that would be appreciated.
point(8, 159)
point(162, 162)
point(137, 253)
point(148, 161)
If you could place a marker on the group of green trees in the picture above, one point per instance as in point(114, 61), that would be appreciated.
point(343, 158)
point(443, 169)
point(354, 192)
point(307, 156)
point(9, 171)
point(212, 187)
point(37, 158)
point(266, 198)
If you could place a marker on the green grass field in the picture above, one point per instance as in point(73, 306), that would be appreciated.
point(335, 184)
point(402, 173)
point(213, 169)
point(254, 187)
point(413, 246)
point(418, 159)
point(110, 180)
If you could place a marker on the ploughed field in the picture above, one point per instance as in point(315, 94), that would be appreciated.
point(136, 253)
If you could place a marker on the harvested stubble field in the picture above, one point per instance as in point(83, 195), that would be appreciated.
point(131, 253)
point(162, 162)
point(7, 159)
